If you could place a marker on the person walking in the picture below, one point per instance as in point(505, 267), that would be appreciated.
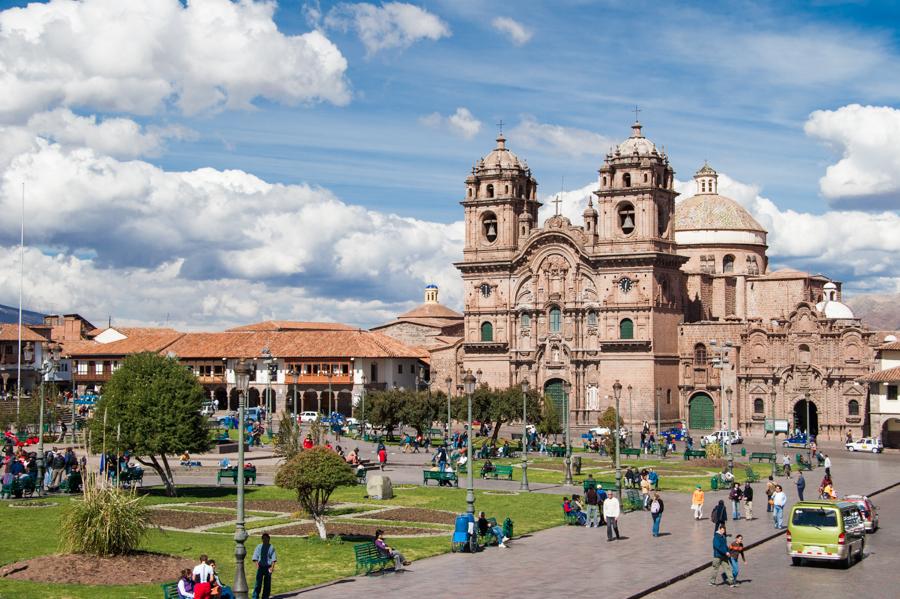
point(264, 557)
point(382, 455)
point(786, 464)
point(720, 556)
point(601, 498)
point(645, 491)
point(719, 515)
point(779, 500)
point(611, 511)
point(748, 501)
point(735, 495)
point(697, 502)
point(827, 465)
point(735, 551)
point(801, 486)
point(592, 501)
point(656, 511)
point(770, 490)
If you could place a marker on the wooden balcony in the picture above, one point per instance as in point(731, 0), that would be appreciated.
point(91, 377)
point(214, 379)
point(318, 379)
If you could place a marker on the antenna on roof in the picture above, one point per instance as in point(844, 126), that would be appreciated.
point(109, 321)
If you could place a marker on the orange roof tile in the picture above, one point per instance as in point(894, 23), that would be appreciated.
point(893, 346)
point(156, 341)
point(891, 375)
point(290, 325)
point(10, 332)
point(431, 310)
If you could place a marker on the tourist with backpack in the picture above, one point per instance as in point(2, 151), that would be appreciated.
point(656, 511)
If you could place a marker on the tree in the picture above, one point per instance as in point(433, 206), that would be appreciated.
point(287, 440)
point(157, 402)
point(549, 424)
point(419, 410)
point(383, 410)
point(608, 420)
point(314, 474)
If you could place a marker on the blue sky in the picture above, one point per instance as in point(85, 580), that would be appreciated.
point(178, 169)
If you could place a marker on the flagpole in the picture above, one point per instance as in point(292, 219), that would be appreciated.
point(21, 285)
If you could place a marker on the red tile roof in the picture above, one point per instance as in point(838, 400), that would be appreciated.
point(10, 332)
point(155, 341)
point(290, 325)
point(893, 346)
point(891, 375)
point(431, 310)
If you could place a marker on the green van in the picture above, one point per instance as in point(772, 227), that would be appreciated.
point(825, 530)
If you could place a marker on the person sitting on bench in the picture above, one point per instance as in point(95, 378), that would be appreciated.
point(487, 467)
point(484, 527)
point(385, 550)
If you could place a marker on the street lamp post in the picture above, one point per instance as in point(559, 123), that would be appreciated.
point(469, 383)
point(808, 430)
point(567, 388)
point(658, 431)
point(242, 372)
point(630, 418)
point(362, 398)
point(449, 381)
point(330, 393)
point(728, 393)
point(617, 393)
point(48, 368)
point(268, 361)
point(524, 485)
point(774, 450)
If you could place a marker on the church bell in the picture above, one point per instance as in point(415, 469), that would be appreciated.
point(628, 223)
point(492, 230)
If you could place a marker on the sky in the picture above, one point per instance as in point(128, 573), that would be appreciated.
point(210, 163)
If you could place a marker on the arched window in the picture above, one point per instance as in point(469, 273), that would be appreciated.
point(703, 185)
point(489, 226)
point(507, 190)
point(592, 319)
point(487, 331)
point(758, 406)
point(853, 408)
point(668, 396)
point(470, 192)
point(645, 177)
point(490, 190)
point(604, 181)
point(555, 320)
point(626, 218)
point(626, 179)
point(728, 263)
point(526, 320)
point(803, 354)
point(699, 355)
point(626, 329)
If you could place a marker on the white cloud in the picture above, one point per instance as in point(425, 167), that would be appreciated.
point(517, 32)
point(462, 122)
point(867, 139)
point(392, 25)
point(137, 57)
point(570, 141)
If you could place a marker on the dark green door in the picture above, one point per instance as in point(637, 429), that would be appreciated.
point(702, 412)
point(557, 394)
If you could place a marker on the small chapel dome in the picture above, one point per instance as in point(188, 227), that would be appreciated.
point(637, 143)
point(830, 306)
point(501, 157)
point(590, 211)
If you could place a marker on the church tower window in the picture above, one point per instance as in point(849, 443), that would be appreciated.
point(592, 319)
point(487, 331)
point(853, 408)
point(626, 218)
point(555, 320)
point(489, 226)
point(758, 406)
point(626, 179)
point(626, 329)
point(728, 263)
point(699, 355)
point(490, 190)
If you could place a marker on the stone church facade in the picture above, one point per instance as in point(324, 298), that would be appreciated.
point(674, 301)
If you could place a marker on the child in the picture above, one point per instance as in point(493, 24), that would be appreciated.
point(735, 550)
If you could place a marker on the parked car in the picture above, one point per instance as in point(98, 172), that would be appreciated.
point(306, 417)
point(797, 440)
point(208, 408)
point(679, 433)
point(723, 437)
point(866, 444)
point(825, 530)
point(868, 510)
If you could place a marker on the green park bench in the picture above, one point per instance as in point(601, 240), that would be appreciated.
point(761, 456)
point(570, 518)
point(232, 473)
point(557, 451)
point(488, 539)
point(72, 483)
point(632, 501)
point(608, 485)
point(18, 487)
point(802, 463)
point(498, 471)
point(361, 476)
point(461, 469)
point(630, 451)
point(222, 437)
point(694, 453)
point(369, 559)
point(428, 475)
point(170, 590)
point(128, 477)
point(750, 474)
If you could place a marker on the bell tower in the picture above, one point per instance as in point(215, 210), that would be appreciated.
point(501, 204)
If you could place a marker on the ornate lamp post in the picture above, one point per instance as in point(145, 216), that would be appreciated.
point(449, 381)
point(658, 431)
point(630, 418)
point(47, 369)
point(242, 372)
point(330, 394)
point(567, 388)
point(268, 360)
point(774, 449)
point(364, 435)
point(524, 485)
point(617, 393)
point(728, 393)
point(469, 384)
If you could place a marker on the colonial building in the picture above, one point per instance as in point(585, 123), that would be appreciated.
point(674, 301)
point(884, 383)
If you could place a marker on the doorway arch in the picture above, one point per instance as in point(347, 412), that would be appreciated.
point(221, 396)
point(554, 389)
point(253, 398)
point(269, 401)
point(701, 412)
point(234, 399)
point(890, 432)
point(800, 417)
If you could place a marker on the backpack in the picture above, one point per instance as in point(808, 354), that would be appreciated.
point(654, 507)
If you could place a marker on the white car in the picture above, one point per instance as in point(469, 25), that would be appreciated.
point(724, 437)
point(866, 444)
point(308, 416)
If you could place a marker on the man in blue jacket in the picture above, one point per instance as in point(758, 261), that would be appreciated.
point(720, 558)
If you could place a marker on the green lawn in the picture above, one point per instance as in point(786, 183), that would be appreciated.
point(302, 561)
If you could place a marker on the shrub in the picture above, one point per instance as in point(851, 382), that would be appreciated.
point(714, 450)
point(287, 440)
point(107, 521)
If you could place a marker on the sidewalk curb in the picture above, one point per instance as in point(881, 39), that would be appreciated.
point(704, 566)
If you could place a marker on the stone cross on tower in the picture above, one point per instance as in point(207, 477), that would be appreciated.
point(500, 125)
point(557, 201)
point(636, 111)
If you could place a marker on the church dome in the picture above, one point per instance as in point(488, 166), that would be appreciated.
point(830, 307)
point(501, 157)
point(712, 212)
point(637, 143)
